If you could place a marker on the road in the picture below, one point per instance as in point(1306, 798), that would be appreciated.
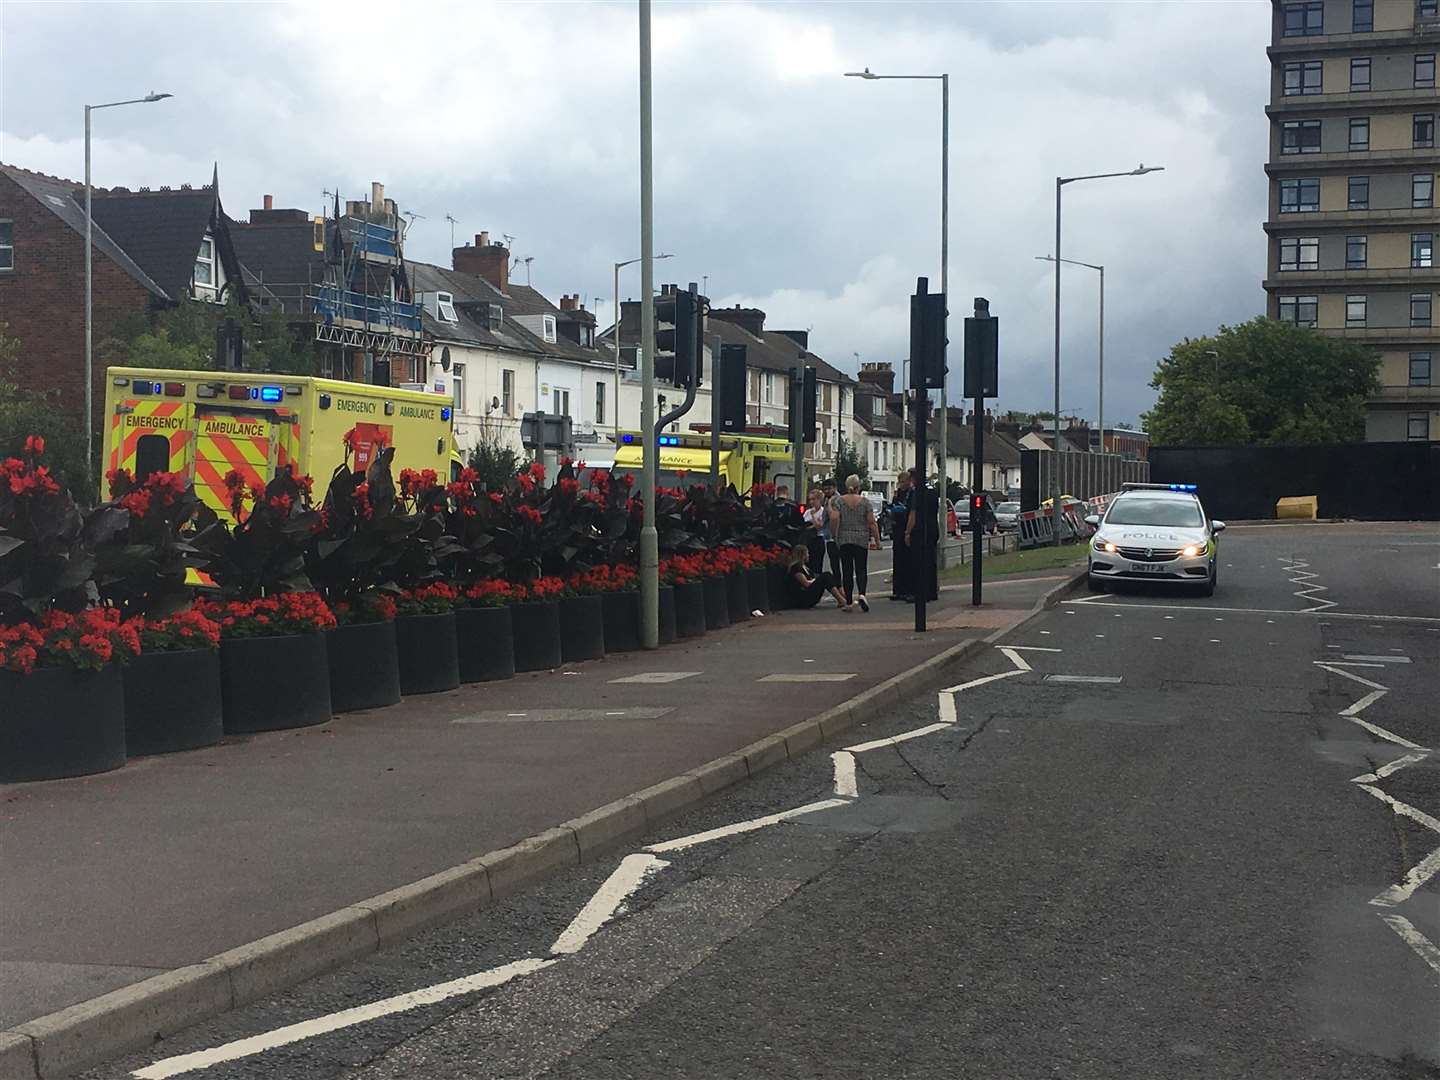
point(1150, 836)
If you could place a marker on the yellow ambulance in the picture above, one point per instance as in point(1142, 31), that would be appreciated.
point(206, 423)
point(684, 459)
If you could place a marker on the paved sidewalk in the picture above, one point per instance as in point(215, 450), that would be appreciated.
point(111, 879)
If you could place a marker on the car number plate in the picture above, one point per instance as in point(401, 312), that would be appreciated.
point(1148, 568)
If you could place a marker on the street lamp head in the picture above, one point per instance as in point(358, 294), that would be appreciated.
point(667, 255)
point(153, 96)
point(866, 74)
point(1045, 258)
point(1142, 169)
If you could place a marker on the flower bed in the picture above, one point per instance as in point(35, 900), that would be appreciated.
point(425, 634)
point(536, 624)
point(484, 632)
point(172, 689)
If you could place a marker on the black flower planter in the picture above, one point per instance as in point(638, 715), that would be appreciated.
point(737, 596)
point(717, 603)
point(61, 722)
point(667, 616)
point(582, 628)
point(622, 621)
point(364, 666)
point(172, 701)
point(429, 661)
point(778, 587)
point(757, 588)
point(691, 609)
point(536, 630)
point(273, 683)
point(486, 643)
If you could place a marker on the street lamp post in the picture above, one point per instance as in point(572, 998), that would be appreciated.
point(618, 267)
point(1060, 182)
point(944, 81)
point(89, 318)
point(1100, 407)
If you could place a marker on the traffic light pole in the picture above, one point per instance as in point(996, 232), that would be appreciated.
point(715, 385)
point(649, 539)
point(924, 521)
point(797, 431)
point(977, 499)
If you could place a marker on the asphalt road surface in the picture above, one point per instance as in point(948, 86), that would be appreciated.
point(1161, 836)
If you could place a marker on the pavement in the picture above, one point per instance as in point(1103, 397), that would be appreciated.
point(1143, 834)
point(121, 877)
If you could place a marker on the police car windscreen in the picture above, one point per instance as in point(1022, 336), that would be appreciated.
point(1137, 510)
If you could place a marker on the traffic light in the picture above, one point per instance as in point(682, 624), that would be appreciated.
point(927, 338)
point(977, 504)
point(229, 346)
point(982, 352)
point(730, 388)
point(680, 332)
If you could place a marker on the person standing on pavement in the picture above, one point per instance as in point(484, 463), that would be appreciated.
point(902, 567)
point(818, 518)
point(922, 530)
point(806, 588)
point(832, 549)
point(855, 534)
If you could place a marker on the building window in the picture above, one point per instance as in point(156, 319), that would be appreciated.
point(205, 265)
point(1362, 16)
point(1359, 133)
point(1299, 196)
point(7, 245)
point(1356, 252)
point(457, 386)
point(1420, 309)
point(769, 388)
point(547, 326)
point(1419, 369)
point(507, 392)
point(1302, 77)
point(1423, 130)
point(1358, 197)
point(1422, 250)
point(877, 406)
point(1360, 74)
point(1425, 71)
point(1300, 310)
point(561, 402)
point(1300, 253)
point(1300, 137)
point(1304, 20)
point(1427, 9)
point(445, 305)
point(1422, 191)
point(1355, 311)
point(1417, 427)
point(599, 403)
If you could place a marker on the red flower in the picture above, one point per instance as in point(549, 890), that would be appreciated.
point(34, 445)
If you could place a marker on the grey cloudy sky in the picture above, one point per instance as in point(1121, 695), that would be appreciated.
point(812, 196)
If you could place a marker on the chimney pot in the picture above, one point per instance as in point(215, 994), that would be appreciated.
point(377, 196)
point(482, 239)
point(269, 202)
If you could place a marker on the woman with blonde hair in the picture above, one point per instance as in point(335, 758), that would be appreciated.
point(852, 524)
point(805, 588)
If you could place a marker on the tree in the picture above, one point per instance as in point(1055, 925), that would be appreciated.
point(849, 461)
point(25, 412)
point(493, 458)
point(183, 338)
point(1264, 383)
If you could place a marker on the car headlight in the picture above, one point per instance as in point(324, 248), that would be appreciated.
point(1107, 546)
point(1191, 550)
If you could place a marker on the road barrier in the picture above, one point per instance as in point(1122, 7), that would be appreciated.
point(1081, 475)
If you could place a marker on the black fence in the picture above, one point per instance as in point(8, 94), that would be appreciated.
point(1081, 475)
point(1367, 481)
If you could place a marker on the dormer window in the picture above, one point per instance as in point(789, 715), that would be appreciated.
point(445, 304)
point(878, 406)
point(587, 336)
point(548, 324)
point(205, 264)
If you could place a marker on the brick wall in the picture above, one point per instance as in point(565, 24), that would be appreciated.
point(43, 301)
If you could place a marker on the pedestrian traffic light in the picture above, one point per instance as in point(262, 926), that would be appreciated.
point(730, 388)
point(680, 333)
point(977, 503)
point(927, 337)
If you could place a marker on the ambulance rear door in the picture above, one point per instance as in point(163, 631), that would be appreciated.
point(150, 435)
point(236, 439)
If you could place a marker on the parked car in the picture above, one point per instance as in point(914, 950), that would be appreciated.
point(1007, 516)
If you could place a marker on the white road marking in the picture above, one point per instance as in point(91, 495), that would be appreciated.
point(752, 825)
point(1214, 641)
point(1045, 633)
point(1379, 659)
point(1403, 809)
point(1016, 658)
point(1389, 769)
point(650, 677)
point(982, 681)
point(601, 908)
point(808, 676)
point(1100, 635)
point(1348, 663)
point(515, 714)
point(876, 744)
point(1306, 592)
point(1350, 675)
point(1364, 703)
point(845, 784)
point(1420, 873)
point(1423, 946)
point(1029, 648)
point(946, 702)
point(1390, 736)
point(1252, 611)
point(1083, 678)
point(308, 1029)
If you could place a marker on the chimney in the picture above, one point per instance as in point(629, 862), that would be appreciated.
point(269, 202)
point(800, 337)
point(880, 376)
point(377, 196)
point(751, 320)
point(570, 303)
point(486, 260)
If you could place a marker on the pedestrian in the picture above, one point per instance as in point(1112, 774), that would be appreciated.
point(902, 568)
point(818, 518)
point(855, 535)
point(806, 588)
point(922, 532)
point(832, 549)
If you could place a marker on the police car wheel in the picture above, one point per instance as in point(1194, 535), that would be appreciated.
point(1094, 583)
point(1208, 589)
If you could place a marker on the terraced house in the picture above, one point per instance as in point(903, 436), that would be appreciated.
point(1353, 163)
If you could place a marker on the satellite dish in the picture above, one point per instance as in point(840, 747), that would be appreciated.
point(445, 358)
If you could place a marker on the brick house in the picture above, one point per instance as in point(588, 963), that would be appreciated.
point(152, 249)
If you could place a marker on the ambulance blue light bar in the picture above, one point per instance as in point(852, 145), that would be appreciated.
point(627, 439)
point(145, 386)
point(669, 440)
point(445, 412)
point(271, 393)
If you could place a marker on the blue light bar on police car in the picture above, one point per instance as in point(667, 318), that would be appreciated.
point(1184, 487)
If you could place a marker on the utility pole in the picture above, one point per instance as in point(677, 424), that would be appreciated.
point(649, 539)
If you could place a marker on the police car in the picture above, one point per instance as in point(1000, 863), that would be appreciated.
point(1154, 532)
